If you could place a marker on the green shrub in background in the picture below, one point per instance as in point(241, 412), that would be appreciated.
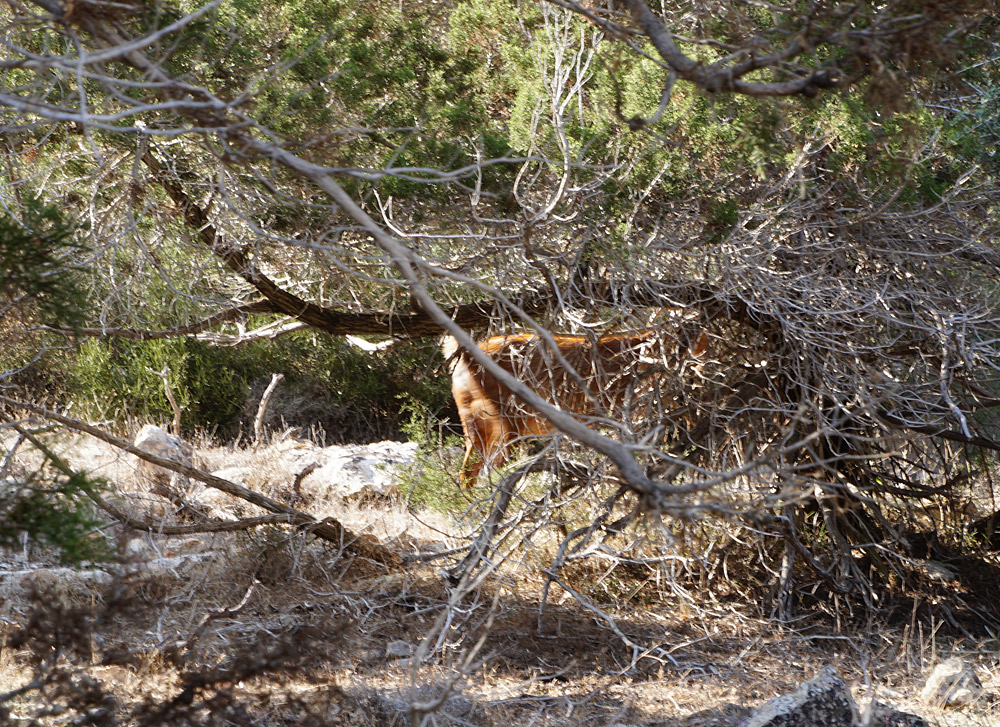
point(357, 396)
point(346, 393)
point(56, 513)
point(119, 380)
point(38, 277)
point(431, 481)
point(40, 286)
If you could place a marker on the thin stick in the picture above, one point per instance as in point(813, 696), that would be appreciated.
point(228, 612)
point(175, 427)
point(258, 422)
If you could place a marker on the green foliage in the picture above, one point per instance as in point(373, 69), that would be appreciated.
point(317, 66)
point(37, 275)
point(974, 129)
point(355, 395)
point(39, 284)
point(350, 394)
point(488, 35)
point(722, 216)
point(58, 514)
point(121, 379)
point(431, 481)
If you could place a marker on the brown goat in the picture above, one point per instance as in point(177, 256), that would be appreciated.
point(493, 419)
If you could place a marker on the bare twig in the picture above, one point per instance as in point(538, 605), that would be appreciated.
point(258, 421)
point(175, 426)
point(135, 334)
point(227, 612)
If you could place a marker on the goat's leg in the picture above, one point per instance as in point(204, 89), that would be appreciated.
point(486, 436)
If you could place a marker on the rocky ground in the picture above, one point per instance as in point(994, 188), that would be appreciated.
point(272, 625)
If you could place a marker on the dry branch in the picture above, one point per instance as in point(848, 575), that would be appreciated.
point(231, 314)
point(258, 421)
point(175, 425)
point(715, 79)
point(227, 612)
point(415, 323)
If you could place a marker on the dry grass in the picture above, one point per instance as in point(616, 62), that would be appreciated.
point(274, 627)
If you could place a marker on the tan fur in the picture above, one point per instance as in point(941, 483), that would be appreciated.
point(492, 418)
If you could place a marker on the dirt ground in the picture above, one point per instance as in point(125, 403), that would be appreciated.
point(274, 626)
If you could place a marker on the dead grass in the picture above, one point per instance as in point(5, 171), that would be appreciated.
point(274, 627)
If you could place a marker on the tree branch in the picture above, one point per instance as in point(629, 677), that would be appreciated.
point(416, 323)
point(720, 79)
point(135, 334)
point(951, 435)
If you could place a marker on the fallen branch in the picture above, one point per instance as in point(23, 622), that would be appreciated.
point(327, 528)
point(211, 526)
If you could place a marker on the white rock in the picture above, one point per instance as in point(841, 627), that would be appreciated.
point(138, 549)
point(350, 470)
point(175, 566)
point(154, 440)
point(239, 475)
point(953, 683)
point(59, 586)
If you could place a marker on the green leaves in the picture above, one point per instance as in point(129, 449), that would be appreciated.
point(38, 272)
point(58, 513)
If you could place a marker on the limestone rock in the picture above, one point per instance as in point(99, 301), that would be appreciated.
point(351, 470)
point(883, 715)
point(826, 701)
point(953, 683)
point(176, 566)
point(823, 700)
point(64, 587)
point(156, 441)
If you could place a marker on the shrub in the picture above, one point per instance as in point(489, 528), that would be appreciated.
point(348, 394)
point(57, 513)
point(431, 482)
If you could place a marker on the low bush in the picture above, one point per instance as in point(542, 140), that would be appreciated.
point(338, 391)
